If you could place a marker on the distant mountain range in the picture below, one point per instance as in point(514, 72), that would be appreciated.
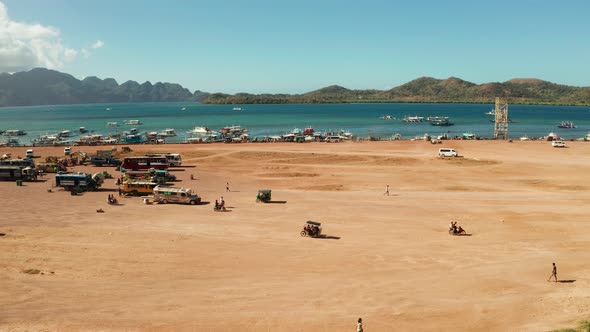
point(427, 90)
point(41, 86)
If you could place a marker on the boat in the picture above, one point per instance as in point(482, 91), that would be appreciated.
point(492, 112)
point(64, 133)
point(83, 130)
point(524, 138)
point(413, 119)
point(108, 108)
point(112, 124)
point(567, 125)
point(133, 122)
point(14, 132)
point(587, 137)
point(168, 132)
point(183, 109)
point(132, 131)
point(237, 109)
point(509, 120)
point(200, 131)
point(308, 131)
point(440, 121)
point(387, 117)
point(469, 136)
point(551, 137)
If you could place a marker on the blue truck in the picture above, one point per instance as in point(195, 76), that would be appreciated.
point(79, 181)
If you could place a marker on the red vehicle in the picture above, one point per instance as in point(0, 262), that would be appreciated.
point(144, 163)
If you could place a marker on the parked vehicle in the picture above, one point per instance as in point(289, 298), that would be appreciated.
point(18, 162)
point(104, 161)
point(67, 151)
point(154, 175)
point(174, 159)
point(29, 153)
point(12, 173)
point(144, 163)
point(447, 152)
point(166, 195)
point(51, 167)
point(558, 144)
point(333, 139)
point(138, 187)
point(312, 229)
point(78, 181)
point(264, 195)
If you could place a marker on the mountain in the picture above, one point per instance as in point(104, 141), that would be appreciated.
point(41, 86)
point(429, 90)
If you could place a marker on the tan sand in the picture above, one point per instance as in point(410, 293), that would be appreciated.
point(180, 267)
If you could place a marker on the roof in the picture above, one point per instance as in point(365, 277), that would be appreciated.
point(266, 191)
point(315, 223)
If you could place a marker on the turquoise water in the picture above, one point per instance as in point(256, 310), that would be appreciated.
point(360, 119)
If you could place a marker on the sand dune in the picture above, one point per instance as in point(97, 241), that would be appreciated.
point(387, 259)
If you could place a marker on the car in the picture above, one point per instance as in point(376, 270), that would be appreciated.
point(333, 139)
point(558, 144)
point(447, 152)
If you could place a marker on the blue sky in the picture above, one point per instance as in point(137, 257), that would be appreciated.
point(298, 46)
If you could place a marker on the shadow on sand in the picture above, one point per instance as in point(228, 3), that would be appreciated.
point(276, 202)
point(2, 234)
point(566, 281)
point(328, 237)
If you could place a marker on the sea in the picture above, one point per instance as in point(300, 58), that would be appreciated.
point(362, 120)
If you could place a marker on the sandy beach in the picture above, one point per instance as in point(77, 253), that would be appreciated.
point(387, 259)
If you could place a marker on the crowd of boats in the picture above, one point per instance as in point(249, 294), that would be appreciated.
point(84, 136)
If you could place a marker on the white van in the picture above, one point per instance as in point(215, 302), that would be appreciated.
point(447, 152)
point(333, 139)
point(29, 153)
point(558, 144)
point(67, 151)
point(175, 195)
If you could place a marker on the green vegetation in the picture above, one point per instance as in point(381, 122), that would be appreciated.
point(583, 326)
point(48, 87)
point(427, 90)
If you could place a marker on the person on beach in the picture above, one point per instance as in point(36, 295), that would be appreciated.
point(359, 325)
point(192, 177)
point(553, 273)
point(386, 190)
point(227, 186)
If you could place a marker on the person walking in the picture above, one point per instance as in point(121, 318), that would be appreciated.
point(227, 186)
point(386, 190)
point(359, 325)
point(553, 273)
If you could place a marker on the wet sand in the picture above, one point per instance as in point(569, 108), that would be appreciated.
point(387, 259)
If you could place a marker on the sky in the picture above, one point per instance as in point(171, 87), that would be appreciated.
point(261, 46)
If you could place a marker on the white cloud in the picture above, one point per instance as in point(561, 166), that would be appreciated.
point(85, 53)
point(24, 46)
point(97, 44)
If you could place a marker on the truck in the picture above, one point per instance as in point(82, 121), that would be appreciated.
point(105, 161)
point(154, 175)
point(79, 181)
point(22, 163)
point(138, 187)
point(12, 173)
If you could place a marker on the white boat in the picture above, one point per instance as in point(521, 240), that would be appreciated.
point(413, 119)
point(183, 109)
point(133, 122)
point(168, 132)
point(237, 108)
point(14, 132)
point(64, 133)
point(112, 124)
point(492, 112)
point(83, 130)
point(524, 138)
point(587, 137)
point(201, 131)
point(387, 117)
point(108, 108)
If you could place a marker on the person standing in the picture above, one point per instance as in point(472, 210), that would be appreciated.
point(227, 186)
point(553, 273)
point(359, 325)
point(386, 190)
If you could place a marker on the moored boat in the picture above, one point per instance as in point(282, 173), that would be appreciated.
point(133, 122)
point(567, 125)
